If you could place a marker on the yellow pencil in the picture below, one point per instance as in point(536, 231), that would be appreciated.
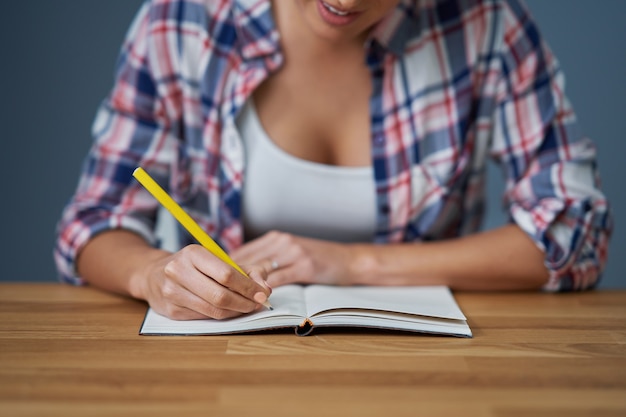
point(185, 219)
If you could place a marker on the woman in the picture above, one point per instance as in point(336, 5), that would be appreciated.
point(338, 142)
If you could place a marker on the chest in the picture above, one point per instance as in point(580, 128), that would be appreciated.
point(319, 111)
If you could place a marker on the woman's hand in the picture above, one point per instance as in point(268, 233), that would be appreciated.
point(189, 284)
point(194, 284)
point(293, 259)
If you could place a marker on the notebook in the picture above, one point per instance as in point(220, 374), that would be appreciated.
point(426, 309)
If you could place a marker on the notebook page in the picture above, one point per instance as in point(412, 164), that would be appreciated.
point(432, 301)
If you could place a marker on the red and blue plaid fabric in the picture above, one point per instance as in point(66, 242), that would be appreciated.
point(455, 82)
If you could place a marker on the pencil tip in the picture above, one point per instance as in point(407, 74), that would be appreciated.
point(271, 308)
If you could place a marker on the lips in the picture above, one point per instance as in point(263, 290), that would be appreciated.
point(334, 10)
point(334, 16)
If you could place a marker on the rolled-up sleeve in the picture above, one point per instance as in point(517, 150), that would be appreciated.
point(552, 180)
point(131, 129)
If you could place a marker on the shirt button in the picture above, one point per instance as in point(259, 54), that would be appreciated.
point(379, 139)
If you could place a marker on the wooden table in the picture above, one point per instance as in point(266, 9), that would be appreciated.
point(71, 351)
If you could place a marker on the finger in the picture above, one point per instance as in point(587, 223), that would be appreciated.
point(283, 277)
point(217, 299)
point(203, 311)
point(265, 267)
point(288, 275)
point(181, 304)
point(258, 273)
point(278, 255)
point(217, 315)
point(196, 269)
point(247, 252)
point(287, 257)
point(227, 277)
point(260, 248)
point(176, 312)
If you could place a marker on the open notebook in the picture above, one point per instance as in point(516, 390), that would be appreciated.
point(304, 308)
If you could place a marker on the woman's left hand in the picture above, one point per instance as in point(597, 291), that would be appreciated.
point(293, 259)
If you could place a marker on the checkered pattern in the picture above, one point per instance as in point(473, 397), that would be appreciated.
point(454, 83)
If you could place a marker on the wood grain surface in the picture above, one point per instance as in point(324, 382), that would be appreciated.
point(75, 351)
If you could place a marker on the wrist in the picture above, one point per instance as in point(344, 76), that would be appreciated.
point(364, 265)
point(143, 271)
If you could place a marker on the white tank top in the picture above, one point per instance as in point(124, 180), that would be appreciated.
point(286, 193)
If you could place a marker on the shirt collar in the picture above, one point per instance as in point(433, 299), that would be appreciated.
point(256, 29)
point(399, 27)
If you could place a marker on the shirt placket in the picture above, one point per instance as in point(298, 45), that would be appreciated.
point(390, 210)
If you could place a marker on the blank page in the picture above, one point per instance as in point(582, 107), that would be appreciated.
point(433, 301)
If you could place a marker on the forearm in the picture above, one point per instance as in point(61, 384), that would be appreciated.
point(500, 259)
point(113, 261)
point(189, 284)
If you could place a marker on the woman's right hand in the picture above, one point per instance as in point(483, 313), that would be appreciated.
point(194, 284)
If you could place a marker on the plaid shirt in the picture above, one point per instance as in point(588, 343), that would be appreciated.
point(454, 82)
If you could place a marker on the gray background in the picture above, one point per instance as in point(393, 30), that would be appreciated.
point(57, 65)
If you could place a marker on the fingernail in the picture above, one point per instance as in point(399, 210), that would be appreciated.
point(260, 297)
